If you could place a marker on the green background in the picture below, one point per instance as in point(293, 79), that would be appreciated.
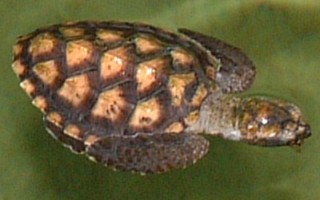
point(281, 37)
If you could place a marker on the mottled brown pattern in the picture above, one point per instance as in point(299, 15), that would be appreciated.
point(177, 85)
point(199, 96)
point(150, 74)
point(192, 118)
point(41, 103)
point(75, 146)
point(182, 58)
point(109, 35)
point(115, 63)
point(28, 87)
point(77, 52)
point(271, 122)
point(17, 49)
point(41, 44)
point(19, 68)
point(76, 90)
point(112, 83)
point(55, 118)
point(175, 127)
point(73, 131)
point(211, 72)
point(71, 32)
point(147, 116)
point(91, 139)
point(111, 105)
point(147, 45)
point(48, 72)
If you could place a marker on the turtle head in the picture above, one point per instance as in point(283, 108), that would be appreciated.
point(268, 122)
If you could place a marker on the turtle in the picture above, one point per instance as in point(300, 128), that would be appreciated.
point(138, 98)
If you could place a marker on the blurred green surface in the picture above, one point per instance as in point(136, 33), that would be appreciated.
point(282, 38)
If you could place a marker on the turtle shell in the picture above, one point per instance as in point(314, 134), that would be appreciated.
point(101, 83)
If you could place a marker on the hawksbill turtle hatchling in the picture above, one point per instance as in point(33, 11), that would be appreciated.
point(138, 98)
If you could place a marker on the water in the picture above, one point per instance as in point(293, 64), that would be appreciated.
point(281, 38)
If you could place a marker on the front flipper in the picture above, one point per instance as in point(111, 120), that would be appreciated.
point(149, 153)
point(237, 71)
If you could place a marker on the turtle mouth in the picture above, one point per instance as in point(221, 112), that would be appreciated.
point(303, 132)
point(287, 137)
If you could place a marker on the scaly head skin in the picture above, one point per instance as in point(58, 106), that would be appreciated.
point(255, 120)
point(267, 122)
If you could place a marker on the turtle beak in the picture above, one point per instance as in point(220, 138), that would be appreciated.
point(303, 131)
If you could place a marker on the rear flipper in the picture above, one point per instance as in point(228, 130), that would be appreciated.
point(237, 71)
point(149, 153)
